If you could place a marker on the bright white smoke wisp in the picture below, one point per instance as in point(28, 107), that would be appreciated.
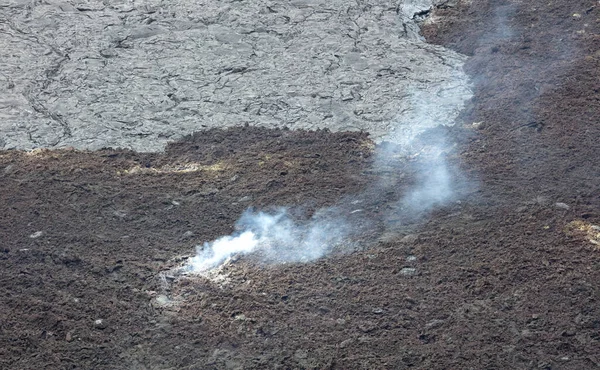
point(213, 254)
point(275, 237)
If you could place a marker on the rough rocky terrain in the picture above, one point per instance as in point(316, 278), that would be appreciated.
point(504, 277)
point(94, 74)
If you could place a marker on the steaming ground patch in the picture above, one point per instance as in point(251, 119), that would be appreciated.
point(275, 237)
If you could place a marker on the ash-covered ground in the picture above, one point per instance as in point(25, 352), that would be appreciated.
point(502, 274)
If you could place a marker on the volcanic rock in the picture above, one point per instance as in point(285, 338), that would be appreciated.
point(89, 76)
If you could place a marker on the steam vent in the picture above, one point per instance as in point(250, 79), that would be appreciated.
point(299, 184)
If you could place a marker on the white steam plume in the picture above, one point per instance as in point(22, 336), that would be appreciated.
point(434, 188)
point(275, 237)
point(213, 254)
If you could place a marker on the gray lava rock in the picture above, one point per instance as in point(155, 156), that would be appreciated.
point(93, 74)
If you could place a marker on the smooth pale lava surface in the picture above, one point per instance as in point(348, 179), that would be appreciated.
point(91, 80)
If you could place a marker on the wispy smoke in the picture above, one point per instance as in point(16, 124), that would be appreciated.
point(436, 180)
point(275, 237)
point(502, 29)
point(434, 188)
point(213, 254)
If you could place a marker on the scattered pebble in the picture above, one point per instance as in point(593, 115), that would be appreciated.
point(411, 258)
point(562, 205)
point(120, 213)
point(169, 277)
point(408, 271)
point(36, 234)
point(100, 324)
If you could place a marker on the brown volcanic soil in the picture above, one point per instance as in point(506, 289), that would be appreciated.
point(503, 279)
